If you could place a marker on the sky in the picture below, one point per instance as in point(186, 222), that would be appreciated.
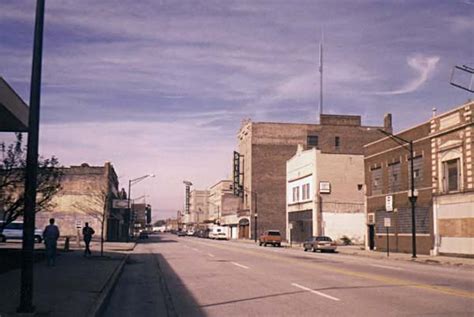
point(162, 86)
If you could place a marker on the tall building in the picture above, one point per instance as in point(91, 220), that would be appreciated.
point(265, 147)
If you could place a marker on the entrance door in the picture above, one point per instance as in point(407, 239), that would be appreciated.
point(371, 237)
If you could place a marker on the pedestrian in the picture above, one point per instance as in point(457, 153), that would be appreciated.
point(50, 236)
point(87, 233)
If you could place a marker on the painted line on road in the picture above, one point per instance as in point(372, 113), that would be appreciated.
point(369, 276)
point(240, 265)
point(194, 249)
point(387, 267)
point(211, 255)
point(314, 292)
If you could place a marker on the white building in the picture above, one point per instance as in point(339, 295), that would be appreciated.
point(325, 196)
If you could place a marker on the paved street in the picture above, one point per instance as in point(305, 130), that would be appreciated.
point(188, 276)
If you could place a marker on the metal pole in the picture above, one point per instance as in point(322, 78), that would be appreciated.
point(413, 202)
point(27, 259)
point(255, 215)
point(129, 209)
point(388, 244)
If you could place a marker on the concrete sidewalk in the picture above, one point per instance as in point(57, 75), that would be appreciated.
point(76, 286)
point(360, 251)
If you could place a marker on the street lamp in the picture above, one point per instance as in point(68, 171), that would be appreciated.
point(412, 195)
point(130, 183)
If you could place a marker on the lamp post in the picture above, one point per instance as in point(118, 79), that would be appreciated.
point(130, 183)
point(412, 194)
point(27, 263)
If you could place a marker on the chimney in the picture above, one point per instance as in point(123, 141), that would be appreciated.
point(387, 122)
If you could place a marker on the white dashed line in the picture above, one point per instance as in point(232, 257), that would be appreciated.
point(240, 265)
point(195, 249)
point(387, 267)
point(211, 255)
point(315, 292)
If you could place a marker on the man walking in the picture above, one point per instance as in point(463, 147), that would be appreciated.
point(87, 233)
point(50, 236)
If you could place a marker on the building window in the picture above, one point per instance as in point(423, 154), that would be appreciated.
point(451, 175)
point(376, 181)
point(337, 141)
point(417, 171)
point(305, 193)
point(394, 180)
point(296, 194)
point(312, 140)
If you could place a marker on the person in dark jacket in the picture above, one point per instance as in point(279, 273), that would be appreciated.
point(87, 233)
point(50, 236)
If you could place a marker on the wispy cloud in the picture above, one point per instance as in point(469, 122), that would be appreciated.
point(424, 66)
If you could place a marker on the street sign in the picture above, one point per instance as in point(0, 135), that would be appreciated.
point(290, 226)
point(387, 222)
point(389, 203)
point(120, 203)
point(78, 224)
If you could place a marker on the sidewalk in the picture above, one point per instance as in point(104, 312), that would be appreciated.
point(359, 251)
point(76, 286)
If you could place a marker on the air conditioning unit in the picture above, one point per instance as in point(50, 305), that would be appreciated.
point(371, 219)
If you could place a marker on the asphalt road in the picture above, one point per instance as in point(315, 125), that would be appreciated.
point(188, 276)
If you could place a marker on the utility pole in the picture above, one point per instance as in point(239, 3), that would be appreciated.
point(27, 259)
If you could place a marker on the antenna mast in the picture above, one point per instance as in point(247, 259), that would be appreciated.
point(321, 76)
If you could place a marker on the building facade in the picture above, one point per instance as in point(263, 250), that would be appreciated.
point(388, 187)
point(452, 146)
point(223, 206)
point(325, 196)
point(266, 147)
point(86, 196)
point(198, 208)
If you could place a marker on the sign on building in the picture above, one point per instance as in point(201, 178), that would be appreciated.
point(387, 222)
point(120, 203)
point(324, 187)
point(389, 203)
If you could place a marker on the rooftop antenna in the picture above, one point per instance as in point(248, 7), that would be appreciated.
point(321, 76)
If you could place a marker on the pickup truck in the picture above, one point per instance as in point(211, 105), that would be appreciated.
point(272, 237)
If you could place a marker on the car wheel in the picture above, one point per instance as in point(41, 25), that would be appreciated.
point(38, 239)
point(278, 245)
point(305, 250)
point(3, 239)
point(260, 243)
point(313, 249)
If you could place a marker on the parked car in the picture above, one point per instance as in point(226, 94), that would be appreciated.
point(321, 243)
point(14, 231)
point(272, 237)
point(219, 233)
point(190, 232)
point(181, 233)
point(143, 235)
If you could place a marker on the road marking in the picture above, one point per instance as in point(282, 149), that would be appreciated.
point(211, 255)
point(195, 249)
point(315, 292)
point(369, 276)
point(387, 267)
point(240, 265)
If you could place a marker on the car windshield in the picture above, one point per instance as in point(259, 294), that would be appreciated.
point(273, 233)
point(323, 239)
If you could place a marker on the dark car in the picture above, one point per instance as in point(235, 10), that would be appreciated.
point(321, 243)
point(181, 233)
point(143, 235)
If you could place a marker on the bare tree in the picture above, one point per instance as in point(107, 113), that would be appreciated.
point(12, 181)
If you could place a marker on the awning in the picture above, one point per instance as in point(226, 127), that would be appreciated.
point(13, 110)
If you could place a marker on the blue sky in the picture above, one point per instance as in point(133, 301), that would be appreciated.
point(161, 86)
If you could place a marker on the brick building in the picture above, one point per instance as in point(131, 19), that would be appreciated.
point(387, 177)
point(198, 208)
point(265, 147)
point(452, 163)
point(86, 196)
point(223, 206)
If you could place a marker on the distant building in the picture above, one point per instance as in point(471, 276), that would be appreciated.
point(452, 161)
point(223, 206)
point(198, 208)
point(141, 214)
point(86, 196)
point(325, 196)
point(266, 147)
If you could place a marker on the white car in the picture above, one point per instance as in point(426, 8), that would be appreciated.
point(219, 233)
point(14, 231)
point(190, 232)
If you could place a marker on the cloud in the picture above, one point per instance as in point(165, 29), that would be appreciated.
point(424, 67)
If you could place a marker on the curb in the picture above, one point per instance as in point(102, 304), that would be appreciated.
point(99, 305)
